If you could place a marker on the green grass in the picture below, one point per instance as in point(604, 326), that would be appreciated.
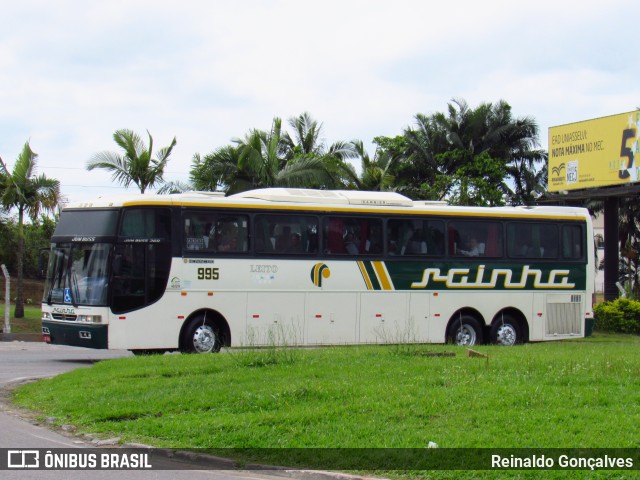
point(31, 323)
point(583, 393)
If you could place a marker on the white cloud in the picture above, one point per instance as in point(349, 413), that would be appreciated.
point(72, 72)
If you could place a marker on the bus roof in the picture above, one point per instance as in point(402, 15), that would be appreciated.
point(290, 199)
point(327, 197)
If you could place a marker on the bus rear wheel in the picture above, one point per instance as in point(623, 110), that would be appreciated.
point(465, 331)
point(201, 336)
point(506, 331)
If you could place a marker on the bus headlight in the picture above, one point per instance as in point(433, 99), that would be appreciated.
point(46, 316)
point(89, 318)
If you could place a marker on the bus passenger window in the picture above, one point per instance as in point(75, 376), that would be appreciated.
point(410, 237)
point(286, 234)
point(195, 233)
point(229, 233)
point(146, 223)
point(213, 232)
point(352, 236)
point(572, 242)
point(475, 239)
point(532, 240)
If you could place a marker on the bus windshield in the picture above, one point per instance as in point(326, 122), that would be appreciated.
point(77, 274)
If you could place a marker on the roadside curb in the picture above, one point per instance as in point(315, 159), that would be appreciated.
point(221, 463)
point(20, 337)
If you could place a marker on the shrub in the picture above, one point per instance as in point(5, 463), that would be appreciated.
point(619, 316)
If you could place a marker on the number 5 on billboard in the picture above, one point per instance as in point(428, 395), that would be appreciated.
point(627, 134)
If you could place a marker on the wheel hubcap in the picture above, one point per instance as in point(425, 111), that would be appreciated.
point(466, 336)
point(204, 339)
point(506, 335)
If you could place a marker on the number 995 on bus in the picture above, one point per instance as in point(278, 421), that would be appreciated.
point(208, 273)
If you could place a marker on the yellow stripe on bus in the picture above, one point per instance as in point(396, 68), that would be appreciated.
point(417, 211)
point(365, 275)
point(383, 275)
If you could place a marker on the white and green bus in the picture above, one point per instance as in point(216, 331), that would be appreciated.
point(198, 271)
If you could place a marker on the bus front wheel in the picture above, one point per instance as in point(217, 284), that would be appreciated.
point(465, 331)
point(506, 331)
point(201, 336)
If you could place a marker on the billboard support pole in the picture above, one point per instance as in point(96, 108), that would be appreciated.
point(611, 250)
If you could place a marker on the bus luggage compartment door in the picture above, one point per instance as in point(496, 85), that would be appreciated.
point(274, 319)
point(331, 318)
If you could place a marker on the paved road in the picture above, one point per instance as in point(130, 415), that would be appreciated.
point(20, 361)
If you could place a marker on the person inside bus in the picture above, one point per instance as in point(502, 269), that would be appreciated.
point(351, 244)
point(312, 241)
point(228, 240)
point(373, 244)
point(283, 241)
point(473, 248)
point(206, 237)
point(524, 245)
point(405, 242)
point(295, 244)
point(415, 244)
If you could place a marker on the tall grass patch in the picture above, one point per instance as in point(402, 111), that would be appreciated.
point(574, 394)
point(569, 394)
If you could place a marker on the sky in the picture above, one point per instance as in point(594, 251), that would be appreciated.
point(72, 72)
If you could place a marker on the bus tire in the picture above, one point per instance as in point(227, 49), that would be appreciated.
point(201, 336)
point(465, 331)
point(506, 331)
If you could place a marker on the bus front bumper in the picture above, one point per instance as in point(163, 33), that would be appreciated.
point(75, 335)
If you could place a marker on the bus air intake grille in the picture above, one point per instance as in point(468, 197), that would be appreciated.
point(61, 316)
point(564, 315)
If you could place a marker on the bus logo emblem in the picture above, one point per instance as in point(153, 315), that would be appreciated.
point(318, 272)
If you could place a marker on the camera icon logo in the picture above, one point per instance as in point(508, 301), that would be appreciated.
point(23, 459)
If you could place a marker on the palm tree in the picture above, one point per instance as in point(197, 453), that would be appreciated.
point(442, 143)
point(426, 160)
point(376, 174)
point(274, 158)
point(263, 159)
point(31, 195)
point(529, 181)
point(136, 165)
point(307, 141)
point(306, 136)
point(219, 170)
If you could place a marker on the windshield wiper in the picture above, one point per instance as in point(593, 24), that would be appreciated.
point(75, 290)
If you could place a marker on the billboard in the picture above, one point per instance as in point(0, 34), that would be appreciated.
point(595, 153)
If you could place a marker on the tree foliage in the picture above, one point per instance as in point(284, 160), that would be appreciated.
point(273, 158)
point(29, 194)
point(619, 316)
point(37, 236)
point(136, 164)
point(465, 141)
